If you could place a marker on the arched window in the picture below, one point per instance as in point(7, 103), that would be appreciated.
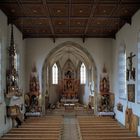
point(122, 72)
point(83, 74)
point(17, 61)
point(138, 83)
point(55, 74)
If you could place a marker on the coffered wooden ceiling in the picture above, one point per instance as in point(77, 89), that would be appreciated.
point(69, 18)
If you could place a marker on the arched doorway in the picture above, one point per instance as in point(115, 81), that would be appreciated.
point(68, 57)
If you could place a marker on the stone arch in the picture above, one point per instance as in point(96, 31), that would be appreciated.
point(79, 52)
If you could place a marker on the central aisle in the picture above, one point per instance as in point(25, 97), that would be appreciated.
point(70, 130)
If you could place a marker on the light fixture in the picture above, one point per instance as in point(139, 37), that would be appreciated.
point(80, 11)
point(58, 11)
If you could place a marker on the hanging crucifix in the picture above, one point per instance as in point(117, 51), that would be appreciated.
point(131, 70)
point(130, 61)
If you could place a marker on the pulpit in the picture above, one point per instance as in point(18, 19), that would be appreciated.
point(13, 96)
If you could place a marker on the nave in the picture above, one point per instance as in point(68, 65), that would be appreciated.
point(70, 128)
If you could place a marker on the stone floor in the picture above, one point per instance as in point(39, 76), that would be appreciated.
point(70, 129)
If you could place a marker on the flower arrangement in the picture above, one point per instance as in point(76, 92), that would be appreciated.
point(120, 107)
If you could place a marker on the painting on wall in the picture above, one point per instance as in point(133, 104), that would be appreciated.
point(131, 92)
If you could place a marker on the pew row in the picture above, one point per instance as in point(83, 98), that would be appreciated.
point(103, 128)
point(37, 128)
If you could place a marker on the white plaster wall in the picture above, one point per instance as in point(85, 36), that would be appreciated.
point(38, 49)
point(20, 46)
point(5, 123)
point(129, 35)
point(3, 39)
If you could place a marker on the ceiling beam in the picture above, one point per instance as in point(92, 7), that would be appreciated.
point(73, 3)
point(115, 10)
point(10, 20)
point(83, 29)
point(49, 18)
point(65, 27)
point(94, 5)
point(72, 17)
point(68, 36)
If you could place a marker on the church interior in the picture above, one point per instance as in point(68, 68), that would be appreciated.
point(70, 70)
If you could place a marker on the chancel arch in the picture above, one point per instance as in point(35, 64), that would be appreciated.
point(68, 56)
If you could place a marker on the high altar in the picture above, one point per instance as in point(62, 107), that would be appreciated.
point(69, 87)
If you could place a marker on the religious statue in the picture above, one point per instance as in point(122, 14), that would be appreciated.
point(131, 70)
point(69, 85)
point(104, 81)
point(68, 74)
point(133, 74)
point(130, 62)
point(34, 82)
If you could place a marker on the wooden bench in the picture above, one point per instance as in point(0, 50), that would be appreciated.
point(103, 128)
point(45, 128)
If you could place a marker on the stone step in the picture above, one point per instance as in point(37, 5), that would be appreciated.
point(31, 135)
point(110, 138)
point(34, 132)
point(7, 138)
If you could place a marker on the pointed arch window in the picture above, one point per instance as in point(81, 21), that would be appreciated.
point(138, 67)
point(17, 61)
point(55, 74)
point(83, 74)
point(122, 72)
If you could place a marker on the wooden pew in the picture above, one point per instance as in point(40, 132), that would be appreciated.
point(46, 128)
point(103, 128)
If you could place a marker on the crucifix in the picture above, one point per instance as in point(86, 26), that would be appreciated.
point(130, 61)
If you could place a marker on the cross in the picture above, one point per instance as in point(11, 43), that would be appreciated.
point(130, 60)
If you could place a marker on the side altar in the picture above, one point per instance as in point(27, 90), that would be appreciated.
point(106, 98)
point(32, 97)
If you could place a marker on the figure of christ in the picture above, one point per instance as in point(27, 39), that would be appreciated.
point(130, 63)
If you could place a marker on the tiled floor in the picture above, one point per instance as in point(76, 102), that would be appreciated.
point(70, 131)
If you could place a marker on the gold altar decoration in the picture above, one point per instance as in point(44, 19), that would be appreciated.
point(32, 97)
point(106, 98)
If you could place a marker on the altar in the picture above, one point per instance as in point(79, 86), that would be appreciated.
point(106, 113)
point(66, 101)
point(69, 86)
point(69, 106)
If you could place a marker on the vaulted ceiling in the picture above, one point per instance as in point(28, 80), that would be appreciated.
point(69, 18)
